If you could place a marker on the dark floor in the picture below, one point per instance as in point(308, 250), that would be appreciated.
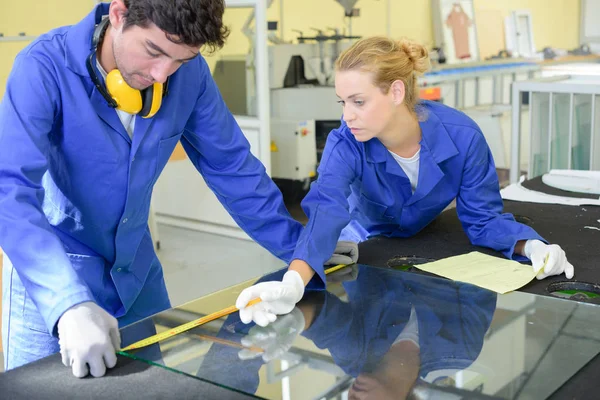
point(297, 213)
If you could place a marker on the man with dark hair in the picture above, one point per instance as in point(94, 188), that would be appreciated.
point(90, 117)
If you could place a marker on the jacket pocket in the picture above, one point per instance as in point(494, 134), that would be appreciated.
point(165, 149)
point(375, 210)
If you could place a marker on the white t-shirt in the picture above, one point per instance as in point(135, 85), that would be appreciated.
point(410, 166)
point(128, 120)
point(411, 329)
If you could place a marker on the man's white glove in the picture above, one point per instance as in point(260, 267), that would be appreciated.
point(276, 339)
point(552, 256)
point(345, 252)
point(277, 298)
point(88, 335)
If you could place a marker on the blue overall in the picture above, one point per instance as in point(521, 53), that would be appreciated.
point(75, 188)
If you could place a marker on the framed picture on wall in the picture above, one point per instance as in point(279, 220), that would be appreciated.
point(455, 31)
point(589, 28)
point(519, 34)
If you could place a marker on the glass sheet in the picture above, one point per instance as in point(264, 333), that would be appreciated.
point(383, 334)
point(582, 134)
point(595, 153)
point(539, 131)
point(560, 132)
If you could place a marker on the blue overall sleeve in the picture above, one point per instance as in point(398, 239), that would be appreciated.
point(27, 113)
point(479, 205)
point(326, 206)
point(219, 150)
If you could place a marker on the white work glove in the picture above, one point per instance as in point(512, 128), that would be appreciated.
point(276, 339)
point(277, 298)
point(552, 255)
point(88, 335)
point(345, 252)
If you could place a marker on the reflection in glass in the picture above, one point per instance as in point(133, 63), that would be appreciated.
point(385, 334)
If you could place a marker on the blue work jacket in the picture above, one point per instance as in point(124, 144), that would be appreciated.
point(75, 189)
point(362, 192)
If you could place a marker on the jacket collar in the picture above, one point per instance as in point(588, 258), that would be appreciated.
point(436, 147)
point(435, 138)
point(79, 40)
point(78, 46)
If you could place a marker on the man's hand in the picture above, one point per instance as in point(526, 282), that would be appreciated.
point(277, 298)
point(345, 252)
point(548, 260)
point(88, 335)
point(276, 339)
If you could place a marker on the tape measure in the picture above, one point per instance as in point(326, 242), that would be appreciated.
point(200, 321)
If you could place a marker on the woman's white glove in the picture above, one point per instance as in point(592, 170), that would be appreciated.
point(277, 298)
point(88, 335)
point(552, 256)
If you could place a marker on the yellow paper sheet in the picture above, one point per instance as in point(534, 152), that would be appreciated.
point(497, 274)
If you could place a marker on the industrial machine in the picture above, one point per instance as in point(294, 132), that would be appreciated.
point(304, 106)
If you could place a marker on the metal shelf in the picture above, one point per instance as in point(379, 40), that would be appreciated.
point(17, 38)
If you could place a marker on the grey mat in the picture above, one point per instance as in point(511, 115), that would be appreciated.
point(130, 379)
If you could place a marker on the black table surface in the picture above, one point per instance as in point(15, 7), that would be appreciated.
point(558, 224)
point(564, 225)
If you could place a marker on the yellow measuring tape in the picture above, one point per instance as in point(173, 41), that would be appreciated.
point(200, 321)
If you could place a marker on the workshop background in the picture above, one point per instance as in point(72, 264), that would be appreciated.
point(201, 250)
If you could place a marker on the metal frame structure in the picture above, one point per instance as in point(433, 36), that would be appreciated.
point(496, 73)
point(261, 122)
point(19, 38)
point(569, 84)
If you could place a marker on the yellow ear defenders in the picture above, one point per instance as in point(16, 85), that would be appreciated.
point(117, 92)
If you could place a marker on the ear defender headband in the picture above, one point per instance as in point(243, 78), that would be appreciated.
point(117, 92)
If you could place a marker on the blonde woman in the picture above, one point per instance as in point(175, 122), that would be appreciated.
point(390, 169)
